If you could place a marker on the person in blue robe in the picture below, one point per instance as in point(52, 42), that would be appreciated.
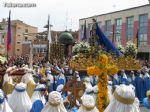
point(139, 86)
point(116, 80)
point(37, 106)
point(60, 78)
point(123, 78)
point(146, 101)
point(146, 82)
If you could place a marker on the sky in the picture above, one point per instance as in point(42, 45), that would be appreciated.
point(64, 12)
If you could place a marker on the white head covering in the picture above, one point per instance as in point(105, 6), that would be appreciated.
point(4, 107)
point(88, 104)
point(123, 100)
point(146, 74)
point(77, 75)
point(124, 75)
point(87, 82)
point(27, 77)
point(50, 77)
point(54, 103)
point(37, 95)
point(116, 77)
point(19, 101)
point(60, 87)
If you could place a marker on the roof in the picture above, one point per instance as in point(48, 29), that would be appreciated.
point(66, 38)
point(54, 33)
point(117, 11)
point(13, 22)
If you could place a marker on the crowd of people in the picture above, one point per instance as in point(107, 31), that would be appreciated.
point(40, 89)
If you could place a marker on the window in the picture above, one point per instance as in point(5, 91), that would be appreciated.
point(129, 26)
point(118, 27)
point(44, 50)
point(18, 49)
point(38, 50)
point(26, 38)
point(18, 42)
point(18, 27)
point(143, 24)
point(108, 27)
point(2, 41)
point(18, 35)
point(26, 30)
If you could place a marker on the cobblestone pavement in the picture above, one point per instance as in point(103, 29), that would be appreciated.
point(143, 109)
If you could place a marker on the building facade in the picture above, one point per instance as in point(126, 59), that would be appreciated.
point(131, 24)
point(19, 37)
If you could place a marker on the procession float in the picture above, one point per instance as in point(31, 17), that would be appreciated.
point(99, 57)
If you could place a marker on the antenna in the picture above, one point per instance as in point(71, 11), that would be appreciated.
point(71, 24)
point(66, 19)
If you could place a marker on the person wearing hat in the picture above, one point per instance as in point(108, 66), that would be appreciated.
point(54, 103)
point(4, 106)
point(29, 80)
point(19, 100)
point(88, 104)
point(8, 84)
point(123, 100)
point(38, 98)
point(146, 101)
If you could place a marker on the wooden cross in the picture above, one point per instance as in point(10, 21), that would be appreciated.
point(76, 88)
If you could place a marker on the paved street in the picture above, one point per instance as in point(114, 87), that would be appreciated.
point(143, 109)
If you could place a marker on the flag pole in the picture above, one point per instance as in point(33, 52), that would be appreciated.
point(9, 35)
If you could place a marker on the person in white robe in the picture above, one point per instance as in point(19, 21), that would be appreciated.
point(109, 89)
point(4, 106)
point(95, 90)
point(38, 98)
point(19, 100)
point(123, 100)
point(29, 80)
point(39, 93)
point(88, 104)
point(87, 82)
point(55, 103)
point(8, 84)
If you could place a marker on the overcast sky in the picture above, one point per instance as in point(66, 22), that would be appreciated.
point(59, 10)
